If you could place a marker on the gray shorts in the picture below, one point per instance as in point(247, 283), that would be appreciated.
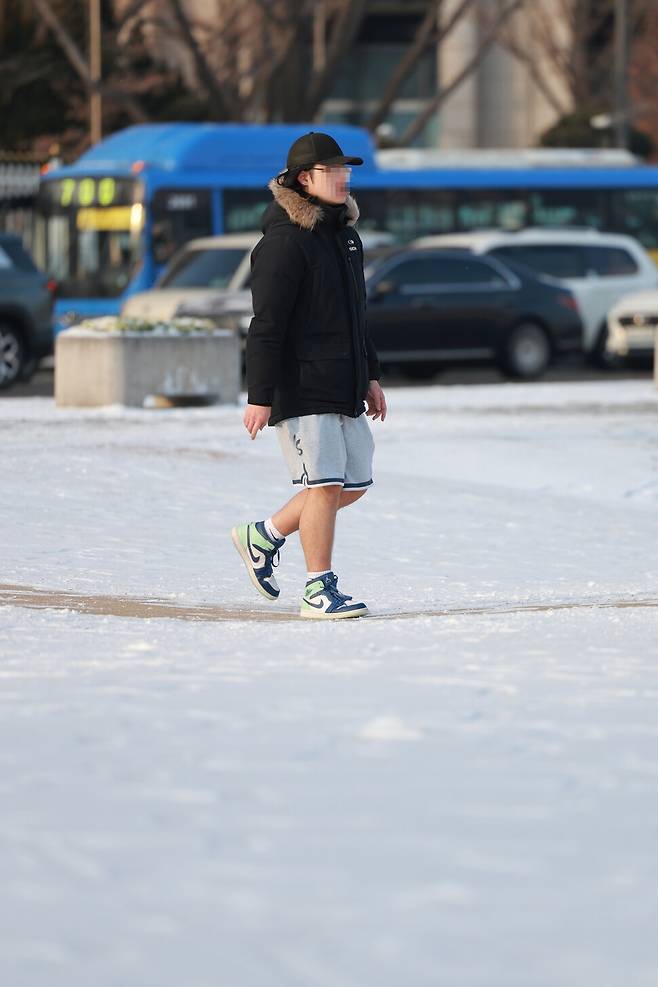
point(327, 450)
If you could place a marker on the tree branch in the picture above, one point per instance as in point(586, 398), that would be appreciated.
point(422, 119)
point(425, 36)
point(79, 63)
point(527, 56)
point(64, 40)
point(225, 107)
point(344, 31)
point(262, 78)
point(132, 10)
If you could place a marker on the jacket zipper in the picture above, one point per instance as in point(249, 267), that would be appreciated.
point(353, 315)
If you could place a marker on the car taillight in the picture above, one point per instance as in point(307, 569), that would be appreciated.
point(568, 301)
point(51, 285)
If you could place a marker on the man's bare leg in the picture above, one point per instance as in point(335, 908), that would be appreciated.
point(287, 519)
point(317, 524)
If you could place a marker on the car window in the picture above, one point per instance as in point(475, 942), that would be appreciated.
point(467, 271)
point(611, 261)
point(556, 259)
point(209, 268)
point(13, 254)
point(419, 270)
point(444, 270)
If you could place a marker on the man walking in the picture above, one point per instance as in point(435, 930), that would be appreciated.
point(310, 367)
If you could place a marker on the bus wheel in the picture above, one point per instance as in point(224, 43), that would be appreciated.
point(527, 353)
point(12, 355)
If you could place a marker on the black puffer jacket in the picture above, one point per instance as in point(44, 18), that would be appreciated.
point(308, 349)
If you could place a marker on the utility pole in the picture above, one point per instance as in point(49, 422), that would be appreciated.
point(95, 103)
point(621, 73)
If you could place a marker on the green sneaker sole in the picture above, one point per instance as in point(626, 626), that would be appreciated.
point(309, 613)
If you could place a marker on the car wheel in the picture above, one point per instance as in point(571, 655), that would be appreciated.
point(12, 355)
point(527, 352)
point(420, 371)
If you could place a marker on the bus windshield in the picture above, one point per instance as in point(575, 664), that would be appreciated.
point(88, 234)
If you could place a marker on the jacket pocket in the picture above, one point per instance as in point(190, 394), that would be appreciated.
point(326, 381)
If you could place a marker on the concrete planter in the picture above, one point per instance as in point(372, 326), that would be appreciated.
point(102, 368)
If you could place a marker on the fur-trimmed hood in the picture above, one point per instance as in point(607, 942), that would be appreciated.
point(305, 213)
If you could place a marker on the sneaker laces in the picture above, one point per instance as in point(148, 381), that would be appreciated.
point(273, 559)
point(333, 590)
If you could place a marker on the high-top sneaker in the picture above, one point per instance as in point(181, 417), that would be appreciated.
point(324, 601)
point(260, 555)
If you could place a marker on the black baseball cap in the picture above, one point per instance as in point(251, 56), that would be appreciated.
point(311, 149)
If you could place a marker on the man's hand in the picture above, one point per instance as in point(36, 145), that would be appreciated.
point(256, 416)
point(376, 401)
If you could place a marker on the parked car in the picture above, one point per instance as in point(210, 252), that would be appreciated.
point(599, 268)
point(214, 273)
point(218, 263)
point(26, 313)
point(428, 309)
point(632, 326)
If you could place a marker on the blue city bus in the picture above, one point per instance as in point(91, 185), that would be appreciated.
point(107, 225)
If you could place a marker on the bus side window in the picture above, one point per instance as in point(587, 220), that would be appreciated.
point(178, 215)
point(244, 208)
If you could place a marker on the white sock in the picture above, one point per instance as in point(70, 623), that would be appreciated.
point(316, 575)
point(272, 531)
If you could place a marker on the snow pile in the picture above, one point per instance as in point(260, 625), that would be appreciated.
point(132, 326)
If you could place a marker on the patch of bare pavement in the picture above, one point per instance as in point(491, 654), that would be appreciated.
point(33, 598)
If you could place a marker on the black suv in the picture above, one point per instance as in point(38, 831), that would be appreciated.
point(26, 313)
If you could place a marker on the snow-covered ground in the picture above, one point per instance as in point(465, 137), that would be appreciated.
point(461, 791)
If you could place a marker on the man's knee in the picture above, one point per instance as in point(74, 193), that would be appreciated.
point(331, 492)
point(348, 497)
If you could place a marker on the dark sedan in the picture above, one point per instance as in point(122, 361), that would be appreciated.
point(429, 309)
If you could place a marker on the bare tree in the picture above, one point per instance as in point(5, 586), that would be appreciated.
point(265, 59)
point(566, 47)
point(432, 32)
point(503, 12)
point(268, 60)
point(643, 73)
point(79, 62)
point(428, 34)
point(277, 59)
